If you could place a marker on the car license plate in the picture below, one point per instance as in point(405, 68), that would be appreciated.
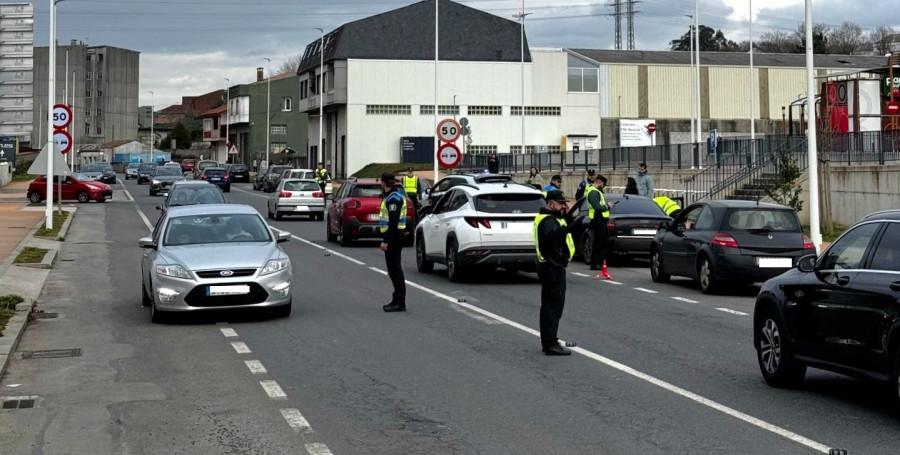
point(301, 208)
point(644, 232)
point(775, 263)
point(373, 217)
point(228, 290)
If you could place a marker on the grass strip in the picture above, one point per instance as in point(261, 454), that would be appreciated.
point(58, 219)
point(8, 309)
point(30, 255)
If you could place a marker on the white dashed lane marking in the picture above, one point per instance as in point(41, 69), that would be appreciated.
point(240, 347)
point(375, 269)
point(581, 274)
point(255, 366)
point(682, 299)
point(273, 390)
point(296, 420)
point(648, 291)
point(229, 333)
point(730, 311)
point(317, 448)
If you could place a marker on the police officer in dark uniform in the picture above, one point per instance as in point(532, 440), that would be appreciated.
point(392, 221)
point(555, 249)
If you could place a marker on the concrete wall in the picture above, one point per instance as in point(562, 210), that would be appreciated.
point(5, 174)
point(857, 191)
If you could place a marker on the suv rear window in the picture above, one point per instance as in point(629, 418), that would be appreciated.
point(366, 191)
point(214, 172)
point(636, 206)
point(781, 220)
point(237, 168)
point(509, 203)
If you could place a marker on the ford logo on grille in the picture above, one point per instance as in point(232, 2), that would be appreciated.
point(226, 273)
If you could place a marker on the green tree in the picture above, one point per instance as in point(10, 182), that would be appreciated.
point(785, 190)
point(181, 135)
point(710, 40)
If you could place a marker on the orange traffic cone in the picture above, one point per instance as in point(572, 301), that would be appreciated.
point(604, 273)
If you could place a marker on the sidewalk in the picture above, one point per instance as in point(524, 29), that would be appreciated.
point(14, 192)
point(15, 224)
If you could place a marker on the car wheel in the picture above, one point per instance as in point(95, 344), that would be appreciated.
point(656, 268)
point(34, 197)
point(228, 189)
point(773, 352)
point(83, 197)
point(278, 216)
point(587, 243)
point(422, 262)
point(152, 193)
point(706, 275)
point(282, 311)
point(145, 298)
point(156, 316)
point(328, 235)
point(895, 377)
point(346, 240)
point(454, 270)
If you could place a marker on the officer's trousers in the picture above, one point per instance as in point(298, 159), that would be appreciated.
point(553, 299)
point(600, 244)
point(395, 271)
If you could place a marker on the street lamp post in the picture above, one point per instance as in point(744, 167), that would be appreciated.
point(521, 17)
point(228, 115)
point(815, 232)
point(619, 106)
point(152, 139)
point(693, 92)
point(752, 94)
point(268, 105)
point(51, 100)
point(320, 147)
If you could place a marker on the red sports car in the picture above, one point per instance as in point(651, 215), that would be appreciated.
point(72, 189)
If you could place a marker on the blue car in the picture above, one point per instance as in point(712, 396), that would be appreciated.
point(217, 176)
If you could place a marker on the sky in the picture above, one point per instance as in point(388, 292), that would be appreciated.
point(189, 47)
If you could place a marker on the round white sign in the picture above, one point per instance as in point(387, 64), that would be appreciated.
point(62, 116)
point(449, 156)
point(64, 139)
point(448, 130)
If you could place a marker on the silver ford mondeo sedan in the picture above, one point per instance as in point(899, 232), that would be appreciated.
point(214, 256)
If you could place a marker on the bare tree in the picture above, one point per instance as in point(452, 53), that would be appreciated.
point(881, 39)
point(821, 36)
point(777, 43)
point(848, 39)
point(290, 65)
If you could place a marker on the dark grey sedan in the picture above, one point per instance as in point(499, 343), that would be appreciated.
point(164, 178)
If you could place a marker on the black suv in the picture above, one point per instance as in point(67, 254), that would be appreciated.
point(443, 185)
point(238, 172)
point(146, 171)
point(838, 312)
point(272, 177)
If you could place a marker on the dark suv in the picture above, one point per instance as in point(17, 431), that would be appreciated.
point(272, 177)
point(146, 171)
point(838, 312)
point(238, 173)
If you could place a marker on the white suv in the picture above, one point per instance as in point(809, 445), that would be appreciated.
point(481, 226)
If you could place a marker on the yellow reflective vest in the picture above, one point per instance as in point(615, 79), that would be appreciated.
point(666, 204)
point(591, 211)
point(569, 242)
point(321, 175)
point(384, 218)
point(411, 184)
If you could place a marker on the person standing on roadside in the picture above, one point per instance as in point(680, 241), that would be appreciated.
point(411, 186)
point(392, 223)
point(555, 184)
point(493, 164)
point(534, 178)
point(588, 181)
point(321, 176)
point(644, 181)
point(555, 249)
point(631, 187)
point(598, 212)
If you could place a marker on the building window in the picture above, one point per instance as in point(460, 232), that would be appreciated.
point(286, 104)
point(481, 149)
point(99, 112)
point(88, 75)
point(537, 111)
point(277, 147)
point(99, 130)
point(100, 57)
point(311, 77)
point(485, 110)
point(99, 75)
point(279, 129)
point(207, 124)
point(88, 57)
point(87, 93)
point(100, 95)
point(428, 109)
point(388, 109)
point(535, 149)
point(87, 112)
point(304, 90)
point(87, 128)
point(584, 77)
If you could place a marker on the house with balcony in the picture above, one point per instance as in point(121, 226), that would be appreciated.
point(214, 130)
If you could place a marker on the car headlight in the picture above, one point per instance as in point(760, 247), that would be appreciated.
point(175, 271)
point(155, 182)
point(275, 265)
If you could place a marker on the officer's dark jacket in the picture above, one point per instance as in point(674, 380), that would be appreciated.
point(394, 203)
point(552, 239)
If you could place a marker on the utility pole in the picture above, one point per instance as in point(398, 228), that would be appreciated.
point(753, 94)
point(228, 117)
point(152, 140)
point(630, 13)
point(321, 146)
point(268, 105)
point(815, 231)
point(521, 17)
point(617, 6)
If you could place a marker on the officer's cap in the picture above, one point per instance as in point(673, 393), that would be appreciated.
point(591, 172)
point(556, 195)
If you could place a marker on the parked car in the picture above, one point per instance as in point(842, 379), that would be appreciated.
point(202, 165)
point(91, 172)
point(164, 178)
point(174, 164)
point(838, 312)
point(632, 225)
point(192, 192)
point(71, 188)
point(187, 165)
point(717, 242)
point(431, 195)
point(131, 171)
point(208, 257)
point(297, 197)
point(482, 226)
point(217, 176)
point(109, 173)
point(356, 210)
point(307, 174)
point(146, 171)
point(238, 172)
point(272, 177)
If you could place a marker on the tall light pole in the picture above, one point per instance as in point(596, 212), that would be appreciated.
point(699, 93)
point(268, 104)
point(752, 94)
point(152, 138)
point(321, 145)
point(51, 100)
point(228, 116)
point(521, 17)
point(815, 232)
point(693, 92)
point(437, 141)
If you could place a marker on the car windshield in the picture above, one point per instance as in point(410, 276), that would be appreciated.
point(366, 191)
point(277, 170)
point(206, 194)
point(134, 165)
point(227, 228)
point(79, 176)
point(633, 205)
point(237, 168)
point(783, 220)
point(91, 168)
point(148, 166)
point(214, 172)
point(301, 186)
point(509, 203)
point(170, 170)
point(106, 167)
point(302, 175)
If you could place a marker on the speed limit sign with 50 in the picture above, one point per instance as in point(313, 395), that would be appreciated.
point(448, 130)
point(62, 116)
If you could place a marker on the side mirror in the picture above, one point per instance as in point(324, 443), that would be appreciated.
point(146, 242)
point(428, 191)
point(807, 264)
point(283, 236)
point(664, 226)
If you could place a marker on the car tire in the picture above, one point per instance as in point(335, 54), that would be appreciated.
point(328, 235)
point(346, 239)
point(152, 193)
point(422, 262)
point(83, 197)
point(454, 270)
point(587, 243)
point(145, 298)
point(156, 316)
point(278, 216)
point(282, 311)
point(657, 272)
point(35, 197)
point(227, 189)
point(895, 377)
point(706, 276)
point(773, 352)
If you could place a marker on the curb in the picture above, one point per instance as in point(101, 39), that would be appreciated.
point(47, 262)
point(15, 328)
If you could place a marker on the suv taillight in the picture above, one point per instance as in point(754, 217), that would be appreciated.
point(724, 239)
point(808, 243)
point(353, 204)
point(284, 194)
point(474, 222)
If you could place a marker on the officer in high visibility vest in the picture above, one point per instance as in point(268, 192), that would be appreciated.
point(321, 176)
point(598, 212)
point(668, 205)
point(411, 185)
point(555, 249)
point(392, 222)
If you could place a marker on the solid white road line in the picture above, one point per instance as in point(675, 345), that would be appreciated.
point(140, 213)
point(273, 390)
point(317, 448)
point(727, 310)
point(682, 299)
point(228, 333)
point(376, 269)
point(255, 366)
point(609, 281)
point(585, 275)
point(296, 420)
point(648, 291)
point(240, 347)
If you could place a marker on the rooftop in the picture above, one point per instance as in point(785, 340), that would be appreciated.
point(729, 59)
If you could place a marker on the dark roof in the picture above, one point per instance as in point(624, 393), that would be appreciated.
point(215, 112)
point(891, 214)
point(740, 204)
point(466, 34)
point(730, 59)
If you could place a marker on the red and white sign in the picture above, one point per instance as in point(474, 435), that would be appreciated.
point(62, 116)
point(64, 140)
point(893, 108)
point(448, 130)
point(449, 156)
point(651, 128)
point(233, 150)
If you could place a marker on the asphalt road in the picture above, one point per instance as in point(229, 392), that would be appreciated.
point(660, 368)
